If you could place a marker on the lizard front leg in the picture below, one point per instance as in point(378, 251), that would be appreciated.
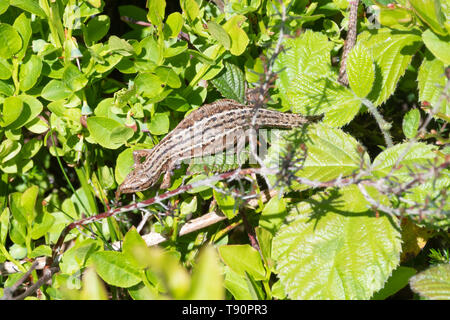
point(139, 154)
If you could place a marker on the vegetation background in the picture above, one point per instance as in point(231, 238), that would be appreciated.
point(358, 208)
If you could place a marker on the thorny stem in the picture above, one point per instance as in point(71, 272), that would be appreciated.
point(349, 42)
point(382, 124)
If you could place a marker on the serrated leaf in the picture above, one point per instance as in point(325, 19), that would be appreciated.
point(115, 269)
point(243, 258)
point(335, 248)
point(230, 83)
point(432, 80)
point(330, 153)
point(433, 283)
point(392, 53)
point(411, 122)
point(360, 71)
point(307, 83)
point(417, 154)
point(397, 281)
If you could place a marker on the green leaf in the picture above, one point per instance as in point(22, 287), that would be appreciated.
point(73, 79)
point(93, 288)
point(335, 248)
point(360, 71)
point(307, 83)
point(430, 13)
point(230, 83)
point(433, 283)
point(273, 214)
point(96, 29)
point(4, 4)
point(438, 45)
point(418, 154)
point(239, 38)
point(55, 90)
point(28, 202)
point(10, 41)
point(133, 247)
point(41, 251)
point(30, 6)
point(5, 69)
point(392, 53)
point(30, 72)
point(115, 269)
point(156, 10)
point(254, 288)
point(398, 280)
point(219, 33)
point(41, 225)
point(77, 256)
point(226, 203)
point(107, 132)
point(149, 84)
point(237, 285)
point(12, 108)
point(173, 25)
point(4, 225)
point(207, 279)
point(330, 153)
point(120, 46)
point(124, 165)
point(168, 77)
point(243, 258)
point(23, 25)
point(16, 208)
point(411, 122)
point(191, 8)
point(265, 244)
point(432, 80)
point(159, 124)
point(394, 17)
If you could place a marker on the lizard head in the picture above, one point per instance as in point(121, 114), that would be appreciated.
point(135, 181)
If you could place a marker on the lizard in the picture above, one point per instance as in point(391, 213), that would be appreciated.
point(205, 131)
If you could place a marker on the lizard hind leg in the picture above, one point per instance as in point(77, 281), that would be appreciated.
point(166, 179)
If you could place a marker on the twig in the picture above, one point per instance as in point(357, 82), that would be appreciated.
point(8, 292)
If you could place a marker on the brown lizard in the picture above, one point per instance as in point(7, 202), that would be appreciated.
point(205, 131)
